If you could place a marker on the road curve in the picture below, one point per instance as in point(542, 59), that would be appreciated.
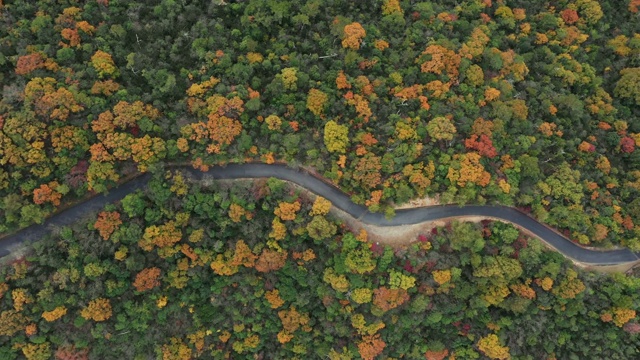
point(339, 200)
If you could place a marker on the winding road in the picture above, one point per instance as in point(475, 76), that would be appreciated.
point(339, 200)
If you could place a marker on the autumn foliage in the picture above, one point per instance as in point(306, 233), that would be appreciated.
point(353, 35)
point(371, 346)
point(386, 299)
point(482, 144)
point(270, 260)
point(440, 59)
point(107, 223)
point(97, 310)
point(54, 314)
point(470, 170)
point(287, 211)
point(316, 101)
point(47, 193)
point(490, 346)
point(147, 279)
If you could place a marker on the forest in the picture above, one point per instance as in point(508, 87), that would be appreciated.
point(530, 104)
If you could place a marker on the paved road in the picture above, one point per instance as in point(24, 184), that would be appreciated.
point(338, 199)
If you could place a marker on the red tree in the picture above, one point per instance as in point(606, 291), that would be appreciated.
point(484, 146)
point(627, 144)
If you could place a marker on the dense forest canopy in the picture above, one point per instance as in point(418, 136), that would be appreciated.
point(532, 104)
point(526, 104)
point(261, 270)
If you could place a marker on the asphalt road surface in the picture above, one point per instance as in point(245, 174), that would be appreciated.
point(339, 200)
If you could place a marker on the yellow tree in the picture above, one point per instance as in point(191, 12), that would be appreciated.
point(336, 137)
point(289, 78)
point(321, 206)
point(490, 346)
point(316, 101)
point(49, 101)
point(104, 65)
point(470, 170)
point(287, 211)
point(163, 236)
point(391, 7)
point(128, 114)
point(97, 310)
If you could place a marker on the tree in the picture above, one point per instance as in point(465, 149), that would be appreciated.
point(271, 260)
point(127, 114)
point(176, 350)
point(474, 75)
point(570, 16)
point(564, 184)
point(287, 211)
point(11, 322)
point(69, 352)
point(274, 299)
point(386, 299)
point(490, 346)
point(321, 206)
point(243, 255)
point(484, 146)
point(273, 122)
point(55, 104)
point(316, 101)
point(336, 137)
point(439, 59)
point(29, 63)
point(361, 104)
point(590, 10)
point(55, 314)
point(441, 276)
point(104, 65)
point(342, 82)
point(391, 7)
point(628, 87)
point(627, 145)
point(163, 236)
point(107, 223)
point(289, 78)
point(367, 171)
point(441, 128)
point(371, 346)
point(37, 351)
point(319, 228)
point(97, 310)
point(469, 171)
point(147, 279)
point(47, 193)
point(353, 35)
point(359, 260)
